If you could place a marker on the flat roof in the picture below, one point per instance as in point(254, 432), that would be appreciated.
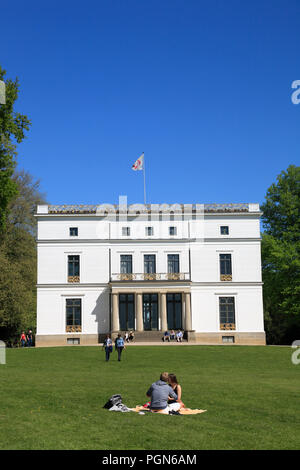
point(147, 208)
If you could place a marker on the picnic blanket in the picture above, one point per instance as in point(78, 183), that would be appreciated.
point(183, 411)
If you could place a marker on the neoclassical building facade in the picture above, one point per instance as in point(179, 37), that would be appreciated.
point(149, 268)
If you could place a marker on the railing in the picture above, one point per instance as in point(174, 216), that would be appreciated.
point(226, 277)
point(73, 329)
point(227, 326)
point(74, 279)
point(150, 277)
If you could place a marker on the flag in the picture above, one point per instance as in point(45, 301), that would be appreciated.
point(138, 165)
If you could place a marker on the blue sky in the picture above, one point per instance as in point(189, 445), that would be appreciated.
point(202, 87)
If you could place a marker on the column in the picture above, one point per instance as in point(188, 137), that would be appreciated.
point(139, 312)
point(115, 313)
point(188, 316)
point(163, 310)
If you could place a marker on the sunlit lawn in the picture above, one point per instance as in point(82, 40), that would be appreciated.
point(52, 398)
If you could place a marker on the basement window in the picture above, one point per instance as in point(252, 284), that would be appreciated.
point(73, 340)
point(228, 339)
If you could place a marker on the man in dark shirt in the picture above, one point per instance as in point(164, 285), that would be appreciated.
point(160, 392)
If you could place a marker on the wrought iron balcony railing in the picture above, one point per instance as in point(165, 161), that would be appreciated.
point(150, 277)
point(73, 329)
point(227, 326)
point(226, 277)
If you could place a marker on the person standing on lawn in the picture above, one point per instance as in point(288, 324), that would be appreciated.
point(119, 346)
point(108, 345)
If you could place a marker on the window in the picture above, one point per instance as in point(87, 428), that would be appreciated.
point(126, 264)
point(224, 229)
point(172, 230)
point(125, 231)
point(126, 312)
point(228, 339)
point(73, 231)
point(227, 313)
point(73, 315)
point(149, 264)
point(225, 267)
point(149, 231)
point(73, 340)
point(73, 268)
point(174, 311)
point(173, 263)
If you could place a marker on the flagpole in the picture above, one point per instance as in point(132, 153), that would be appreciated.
point(144, 180)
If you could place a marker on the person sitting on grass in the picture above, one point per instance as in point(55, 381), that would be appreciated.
point(159, 392)
point(177, 389)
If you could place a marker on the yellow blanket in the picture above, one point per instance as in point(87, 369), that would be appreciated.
point(183, 411)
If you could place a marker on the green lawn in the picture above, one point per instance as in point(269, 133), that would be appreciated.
point(52, 398)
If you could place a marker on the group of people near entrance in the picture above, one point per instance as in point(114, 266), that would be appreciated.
point(168, 336)
point(128, 337)
point(165, 395)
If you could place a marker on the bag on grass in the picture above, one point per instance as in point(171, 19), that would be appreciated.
point(114, 400)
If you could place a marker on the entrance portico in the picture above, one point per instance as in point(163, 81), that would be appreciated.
point(150, 308)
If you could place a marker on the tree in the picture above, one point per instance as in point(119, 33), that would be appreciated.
point(281, 257)
point(18, 259)
point(12, 131)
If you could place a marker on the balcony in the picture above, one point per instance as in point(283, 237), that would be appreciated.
point(150, 277)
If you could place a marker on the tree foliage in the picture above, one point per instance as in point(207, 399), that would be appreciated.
point(281, 257)
point(18, 259)
point(12, 131)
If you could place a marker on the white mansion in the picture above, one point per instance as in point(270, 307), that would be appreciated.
point(148, 268)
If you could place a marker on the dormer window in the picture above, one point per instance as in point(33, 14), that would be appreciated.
point(73, 231)
point(149, 231)
point(126, 231)
point(224, 230)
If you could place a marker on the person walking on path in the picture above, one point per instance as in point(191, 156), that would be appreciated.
point(108, 345)
point(119, 346)
point(29, 338)
point(23, 339)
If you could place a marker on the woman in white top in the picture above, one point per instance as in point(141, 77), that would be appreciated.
point(108, 345)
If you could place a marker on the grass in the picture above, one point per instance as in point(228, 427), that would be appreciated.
point(52, 398)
